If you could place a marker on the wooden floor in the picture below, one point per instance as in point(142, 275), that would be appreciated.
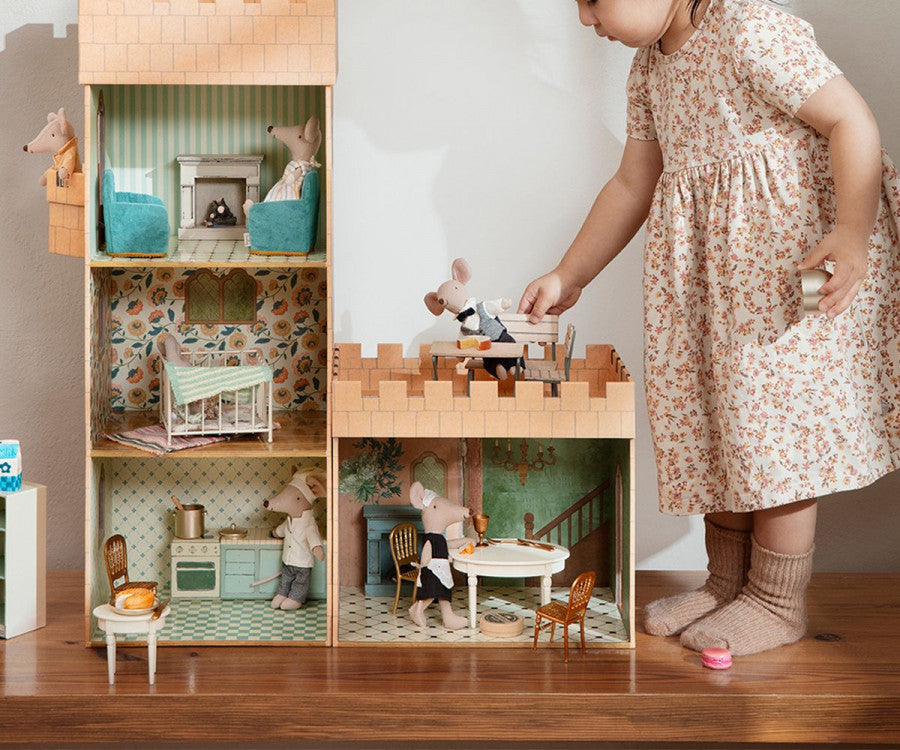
point(844, 689)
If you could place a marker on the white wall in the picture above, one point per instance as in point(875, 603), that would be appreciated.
point(41, 299)
point(462, 127)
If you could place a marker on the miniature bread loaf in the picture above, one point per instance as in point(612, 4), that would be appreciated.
point(139, 599)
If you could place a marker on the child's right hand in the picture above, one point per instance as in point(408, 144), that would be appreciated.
point(549, 294)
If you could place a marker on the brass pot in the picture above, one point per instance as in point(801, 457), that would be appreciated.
point(189, 521)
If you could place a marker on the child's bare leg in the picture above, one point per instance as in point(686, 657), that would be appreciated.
point(733, 521)
point(728, 549)
point(788, 529)
point(771, 609)
point(452, 621)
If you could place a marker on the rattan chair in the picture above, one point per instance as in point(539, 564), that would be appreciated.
point(567, 614)
point(116, 555)
point(404, 541)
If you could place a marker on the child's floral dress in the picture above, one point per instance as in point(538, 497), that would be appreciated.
point(752, 404)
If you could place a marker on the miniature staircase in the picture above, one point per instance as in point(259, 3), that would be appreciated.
point(580, 528)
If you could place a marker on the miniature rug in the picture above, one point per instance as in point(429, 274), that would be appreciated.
point(153, 439)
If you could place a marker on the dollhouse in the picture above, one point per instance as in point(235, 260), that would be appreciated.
point(179, 96)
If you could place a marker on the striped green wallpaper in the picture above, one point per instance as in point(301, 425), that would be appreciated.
point(147, 127)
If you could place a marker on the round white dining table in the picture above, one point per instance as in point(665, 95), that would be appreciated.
point(507, 559)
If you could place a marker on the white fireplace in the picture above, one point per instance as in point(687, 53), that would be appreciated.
point(212, 177)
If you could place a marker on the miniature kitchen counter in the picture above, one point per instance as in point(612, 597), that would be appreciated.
point(255, 537)
point(249, 564)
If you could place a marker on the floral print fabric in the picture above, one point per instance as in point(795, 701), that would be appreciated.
point(289, 329)
point(752, 404)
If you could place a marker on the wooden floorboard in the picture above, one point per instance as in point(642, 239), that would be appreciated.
point(848, 690)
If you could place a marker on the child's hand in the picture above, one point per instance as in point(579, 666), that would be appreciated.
point(848, 247)
point(548, 294)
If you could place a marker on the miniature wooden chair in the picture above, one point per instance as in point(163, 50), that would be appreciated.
point(115, 553)
point(569, 614)
point(404, 543)
point(547, 371)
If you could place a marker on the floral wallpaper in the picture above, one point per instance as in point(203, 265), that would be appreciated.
point(290, 330)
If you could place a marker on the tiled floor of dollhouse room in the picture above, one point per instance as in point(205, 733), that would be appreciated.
point(369, 619)
point(222, 620)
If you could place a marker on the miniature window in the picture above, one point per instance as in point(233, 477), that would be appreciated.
point(431, 472)
point(211, 299)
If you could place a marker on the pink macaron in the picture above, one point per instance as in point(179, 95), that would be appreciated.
point(716, 658)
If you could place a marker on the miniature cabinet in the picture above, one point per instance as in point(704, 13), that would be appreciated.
point(23, 560)
point(178, 99)
point(380, 519)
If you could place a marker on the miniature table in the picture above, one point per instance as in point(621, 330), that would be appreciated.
point(509, 560)
point(111, 623)
point(498, 350)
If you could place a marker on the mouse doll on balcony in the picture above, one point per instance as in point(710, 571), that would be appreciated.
point(475, 318)
point(435, 577)
point(302, 542)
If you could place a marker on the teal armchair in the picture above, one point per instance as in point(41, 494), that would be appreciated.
point(286, 227)
point(137, 224)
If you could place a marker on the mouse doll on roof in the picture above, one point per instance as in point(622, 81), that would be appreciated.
point(750, 156)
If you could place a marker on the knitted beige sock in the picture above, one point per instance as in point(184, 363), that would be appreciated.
point(729, 559)
point(769, 612)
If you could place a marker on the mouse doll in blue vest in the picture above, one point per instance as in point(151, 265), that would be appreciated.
point(476, 318)
point(303, 544)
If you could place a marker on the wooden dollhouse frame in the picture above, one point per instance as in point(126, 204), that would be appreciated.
point(276, 51)
point(165, 49)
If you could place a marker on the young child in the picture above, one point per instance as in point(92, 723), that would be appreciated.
point(754, 158)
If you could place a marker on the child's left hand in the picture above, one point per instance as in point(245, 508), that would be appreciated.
point(848, 247)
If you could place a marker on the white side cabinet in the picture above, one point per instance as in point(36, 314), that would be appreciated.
point(23, 560)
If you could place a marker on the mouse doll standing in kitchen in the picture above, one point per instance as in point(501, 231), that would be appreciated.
point(435, 578)
point(302, 542)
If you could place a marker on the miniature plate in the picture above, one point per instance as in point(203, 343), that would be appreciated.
point(133, 612)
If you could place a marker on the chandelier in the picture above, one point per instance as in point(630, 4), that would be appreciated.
point(523, 466)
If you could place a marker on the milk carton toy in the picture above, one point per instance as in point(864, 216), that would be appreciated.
point(10, 466)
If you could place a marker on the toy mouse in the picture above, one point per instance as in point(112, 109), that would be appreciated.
point(57, 138)
point(303, 143)
point(435, 579)
point(219, 215)
point(302, 541)
point(475, 318)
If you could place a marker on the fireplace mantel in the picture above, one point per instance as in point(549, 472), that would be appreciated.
point(207, 177)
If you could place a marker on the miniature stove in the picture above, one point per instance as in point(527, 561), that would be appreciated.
point(195, 568)
point(210, 177)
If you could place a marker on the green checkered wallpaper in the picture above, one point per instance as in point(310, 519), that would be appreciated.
point(139, 495)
